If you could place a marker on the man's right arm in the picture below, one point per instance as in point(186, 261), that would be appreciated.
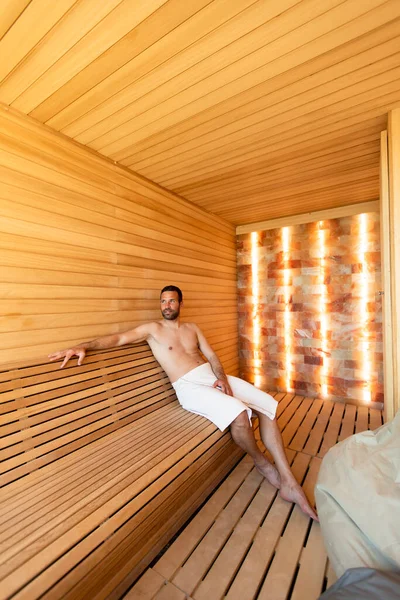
point(133, 336)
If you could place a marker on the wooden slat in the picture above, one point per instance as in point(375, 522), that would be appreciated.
point(309, 580)
point(300, 439)
point(9, 12)
point(170, 562)
point(280, 574)
point(317, 432)
point(332, 432)
point(386, 243)
point(170, 592)
point(375, 419)
point(224, 568)
point(22, 37)
point(191, 573)
point(290, 430)
point(147, 586)
point(288, 413)
point(348, 423)
point(362, 419)
point(60, 39)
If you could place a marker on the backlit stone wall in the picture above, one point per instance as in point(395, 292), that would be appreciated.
point(318, 306)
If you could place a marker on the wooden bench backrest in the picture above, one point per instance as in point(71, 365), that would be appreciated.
point(46, 412)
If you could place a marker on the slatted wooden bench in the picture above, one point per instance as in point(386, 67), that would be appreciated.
point(100, 467)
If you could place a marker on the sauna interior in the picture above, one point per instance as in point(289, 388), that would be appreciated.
point(247, 151)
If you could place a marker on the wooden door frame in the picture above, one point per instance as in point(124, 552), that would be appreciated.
point(390, 219)
point(386, 279)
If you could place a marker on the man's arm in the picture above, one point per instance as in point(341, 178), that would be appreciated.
point(133, 336)
point(206, 349)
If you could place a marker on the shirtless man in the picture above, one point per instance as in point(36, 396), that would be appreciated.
point(204, 388)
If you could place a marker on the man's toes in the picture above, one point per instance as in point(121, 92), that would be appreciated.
point(308, 510)
point(296, 495)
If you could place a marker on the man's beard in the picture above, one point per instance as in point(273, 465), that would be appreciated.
point(170, 314)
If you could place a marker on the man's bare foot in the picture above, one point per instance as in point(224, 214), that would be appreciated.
point(292, 492)
point(270, 473)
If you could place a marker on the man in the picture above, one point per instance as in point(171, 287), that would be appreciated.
point(203, 388)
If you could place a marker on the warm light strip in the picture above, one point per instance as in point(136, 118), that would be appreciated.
point(323, 317)
point(364, 285)
point(287, 314)
point(255, 304)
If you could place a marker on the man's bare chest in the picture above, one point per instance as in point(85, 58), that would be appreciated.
point(182, 341)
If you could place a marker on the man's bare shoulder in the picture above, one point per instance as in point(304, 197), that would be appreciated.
point(154, 326)
point(149, 326)
point(140, 332)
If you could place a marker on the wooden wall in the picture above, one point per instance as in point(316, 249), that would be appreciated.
point(87, 245)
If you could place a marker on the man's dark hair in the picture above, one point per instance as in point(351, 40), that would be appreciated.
point(173, 288)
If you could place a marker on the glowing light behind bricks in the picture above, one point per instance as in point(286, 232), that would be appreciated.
point(288, 334)
point(364, 345)
point(364, 291)
point(323, 316)
point(255, 290)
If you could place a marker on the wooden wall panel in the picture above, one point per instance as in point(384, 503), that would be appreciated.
point(86, 246)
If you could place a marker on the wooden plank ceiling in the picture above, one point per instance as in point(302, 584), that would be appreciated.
point(250, 109)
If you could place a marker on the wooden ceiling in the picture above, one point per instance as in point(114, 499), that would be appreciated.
point(251, 109)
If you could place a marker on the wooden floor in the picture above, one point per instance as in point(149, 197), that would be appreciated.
point(246, 543)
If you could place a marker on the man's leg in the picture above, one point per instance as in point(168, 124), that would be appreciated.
point(289, 488)
point(243, 436)
point(261, 403)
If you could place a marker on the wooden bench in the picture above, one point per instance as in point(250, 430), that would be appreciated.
point(100, 467)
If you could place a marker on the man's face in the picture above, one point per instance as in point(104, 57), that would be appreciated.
point(170, 307)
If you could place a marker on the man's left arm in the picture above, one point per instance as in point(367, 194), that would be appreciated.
point(205, 348)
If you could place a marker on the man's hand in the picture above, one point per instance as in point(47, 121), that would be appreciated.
point(224, 386)
point(78, 351)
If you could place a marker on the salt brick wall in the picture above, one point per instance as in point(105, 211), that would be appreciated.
point(342, 269)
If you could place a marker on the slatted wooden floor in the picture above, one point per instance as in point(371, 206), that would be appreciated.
point(246, 543)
